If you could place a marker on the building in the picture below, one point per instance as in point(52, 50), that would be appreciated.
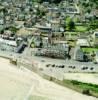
point(44, 29)
point(96, 57)
point(83, 42)
point(8, 45)
point(57, 50)
point(95, 38)
point(2, 15)
point(78, 54)
point(8, 42)
point(55, 25)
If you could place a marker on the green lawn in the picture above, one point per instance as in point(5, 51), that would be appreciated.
point(72, 33)
point(81, 28)
point(89, 50)
point(85, 88)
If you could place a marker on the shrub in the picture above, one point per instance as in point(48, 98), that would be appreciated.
point(86, 91)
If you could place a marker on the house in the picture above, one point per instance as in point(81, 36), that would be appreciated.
point(50, 52)
point(8, 42)
point(45, 41)
point(1, 22)
point(78, 54)
point(89, 17)
point(2, 17)
point(83, 42)
point(96, 57)
point(55, 25)
point(57, 50)
point(96, 13)
point(44, 29)
point(37, 41)
point(21, 17)
point(95, 38)
point(70, 10)
point(7, 34)
point(19, 24)
point(23, 32)
point(61, 45)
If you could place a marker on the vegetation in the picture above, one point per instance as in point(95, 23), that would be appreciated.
point(32, 45)
point(40, 12)
point(87, 7)
point(84, 88)
point(90, 3)
point(13, 29)
point(89, 50)
point(81, 28)
point(93, 24)
point(50, 1)
point(69, 24)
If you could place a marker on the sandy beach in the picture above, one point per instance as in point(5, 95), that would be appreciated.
point(17, 84)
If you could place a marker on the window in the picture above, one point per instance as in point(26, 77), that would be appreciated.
point(96, 35)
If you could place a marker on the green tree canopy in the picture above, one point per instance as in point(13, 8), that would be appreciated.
point(50, 1)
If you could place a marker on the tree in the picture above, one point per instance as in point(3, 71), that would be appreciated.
point(71, 25)
point(50, 1)
point(88, 10)
point(93, 24)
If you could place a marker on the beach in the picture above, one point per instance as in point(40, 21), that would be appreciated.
point(22, 84)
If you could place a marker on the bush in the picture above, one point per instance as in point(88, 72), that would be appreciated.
point(51, 79)
point(86, 91)
point(75, 82)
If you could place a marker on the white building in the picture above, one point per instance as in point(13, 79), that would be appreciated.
point(82, 42)
point(96, 57)
point(95, 38)
point(8, 42)
point(55, 24)
point(78, 54)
